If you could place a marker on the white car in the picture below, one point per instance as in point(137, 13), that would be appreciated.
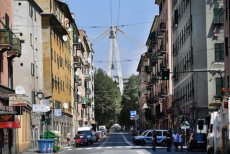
point(146, 137)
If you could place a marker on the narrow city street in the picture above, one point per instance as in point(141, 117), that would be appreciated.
point(117, 143)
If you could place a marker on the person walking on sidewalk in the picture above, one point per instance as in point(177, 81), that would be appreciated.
point(154, 140)
point(181, 141)
point(68, 138)
point(176, 140)
point(169, 141)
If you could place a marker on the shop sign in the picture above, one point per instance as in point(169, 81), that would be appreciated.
point(39, 108)
point(17, 100)
point(6, 117)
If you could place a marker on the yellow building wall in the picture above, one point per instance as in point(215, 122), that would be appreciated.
point(24, 133)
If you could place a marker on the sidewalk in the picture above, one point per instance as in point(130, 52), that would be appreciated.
point(36, 151)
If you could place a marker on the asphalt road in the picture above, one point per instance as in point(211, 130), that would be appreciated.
point(117, 143)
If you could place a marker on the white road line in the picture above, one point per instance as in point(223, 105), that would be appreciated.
point(98, 147)
point(69, 149)
point(140, 152)
point(79, 149)
point(118, 147)
point(88, 148)
point(126, 140)
point(108, 147)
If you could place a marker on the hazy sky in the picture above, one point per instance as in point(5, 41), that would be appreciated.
point(138, 14)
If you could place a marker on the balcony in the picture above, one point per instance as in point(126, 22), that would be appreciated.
point(79, 83)
point(148, 69)
point(163, 27)
point(154, 60)
point(16, 49)
point(87, 91)
point(77, 61)
point(6, 40)
point(87, 77)
point(87, 64)
point(145, 92)
point(78, 45)
point(144, 80)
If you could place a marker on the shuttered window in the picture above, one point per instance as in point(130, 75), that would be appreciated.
point(219, 51)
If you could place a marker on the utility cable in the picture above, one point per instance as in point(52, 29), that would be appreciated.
point(118, 16)
point(111, 12)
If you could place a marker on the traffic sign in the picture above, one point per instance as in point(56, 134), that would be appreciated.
point(132, 113)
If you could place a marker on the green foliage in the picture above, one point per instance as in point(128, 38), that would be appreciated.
point(107, 99)
point(129, 101)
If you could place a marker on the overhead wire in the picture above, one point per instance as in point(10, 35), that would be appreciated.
point(118, 16)
point(111, 12)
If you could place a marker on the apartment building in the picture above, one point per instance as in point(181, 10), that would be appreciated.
point(57, 55)
point(84, 84)
point(27, 23)
point(10, 49)
point(198, 61)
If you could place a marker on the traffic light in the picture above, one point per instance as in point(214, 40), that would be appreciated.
point(165, 74)
point(43, 119)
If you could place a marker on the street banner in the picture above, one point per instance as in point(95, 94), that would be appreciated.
point(132, 115)
point(57, 113)
point(39, 108)
point(17, 100)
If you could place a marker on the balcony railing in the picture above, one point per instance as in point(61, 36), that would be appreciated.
point(6, 39)
point(163, 27)
point(87, 77)
point(77, 61)
point(16, 49)
point(88, 91)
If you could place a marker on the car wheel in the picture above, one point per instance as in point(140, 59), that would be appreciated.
point(164, 143)
point(210, 151)
point(142, 142)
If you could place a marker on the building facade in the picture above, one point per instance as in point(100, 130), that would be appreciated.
point(57, 54)
point(197, 60)
point(10, 49)
point(27, 20)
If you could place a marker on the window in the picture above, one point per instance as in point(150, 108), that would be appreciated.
point(33, 97)
point(219, 86)
point(226, 46)
point(32, 69)
point(218, 16)
point(31, 39)
point(31, 11)
point(35, 16)
point(159, 133)
point(219, 51)
point(54, 56)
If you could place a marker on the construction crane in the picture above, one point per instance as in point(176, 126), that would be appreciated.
point(114, 51)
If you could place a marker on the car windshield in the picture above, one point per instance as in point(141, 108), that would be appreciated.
point(199, 137)
point(144, 133)
point(84, 132)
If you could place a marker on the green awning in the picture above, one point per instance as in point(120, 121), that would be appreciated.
point(84, 99)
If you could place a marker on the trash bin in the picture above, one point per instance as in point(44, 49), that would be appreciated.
point(49, 145)
point(56, 136)
point(42, 145)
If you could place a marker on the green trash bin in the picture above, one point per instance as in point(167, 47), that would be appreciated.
point(56, 136)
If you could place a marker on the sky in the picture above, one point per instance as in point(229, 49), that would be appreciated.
point(138, 15)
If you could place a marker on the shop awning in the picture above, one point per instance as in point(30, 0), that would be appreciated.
point(84, 99)
point(10, 124)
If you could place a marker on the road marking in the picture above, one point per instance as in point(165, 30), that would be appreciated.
point(140, 152)
point(69, 149)
point(104, 141)
point(118, 147)
point(79, 149)
point(88, 148)
point(108, 147)
point(98, 147)
point(126, 140)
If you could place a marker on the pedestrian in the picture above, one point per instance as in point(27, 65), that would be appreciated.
point(176, 140)
point(181, 141)
point(154, 139)
point(169, 141)
point(68, 138)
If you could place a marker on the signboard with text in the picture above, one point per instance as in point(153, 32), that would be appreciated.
point(39, 108)
point(17, 100)
point(132, 115)
point(57, 113)
point(6, 117)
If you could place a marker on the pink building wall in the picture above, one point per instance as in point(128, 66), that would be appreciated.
point(5, 7)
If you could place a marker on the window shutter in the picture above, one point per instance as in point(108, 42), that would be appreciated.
point(32, 69)
point(7, 20)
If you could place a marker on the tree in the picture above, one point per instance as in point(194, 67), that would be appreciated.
point(107, 99)
point(129, 101)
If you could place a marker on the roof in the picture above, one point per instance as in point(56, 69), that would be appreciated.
point(158, 2)
point(141, 61)
point(36, 5)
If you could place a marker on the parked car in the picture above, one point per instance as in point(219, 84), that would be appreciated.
point(94, 137)
point(81, 139)
point(134, 132)
point(146, 137)
point(87, 131)
point(197, 141)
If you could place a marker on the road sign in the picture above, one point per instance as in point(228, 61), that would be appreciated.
point(132, 113)
point(132, 118)
point(17, 100)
